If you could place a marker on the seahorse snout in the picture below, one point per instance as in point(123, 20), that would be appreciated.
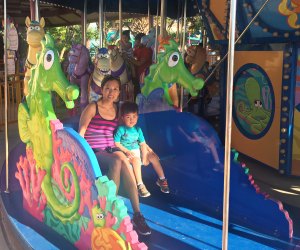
point(72, 93)
point(197, 84)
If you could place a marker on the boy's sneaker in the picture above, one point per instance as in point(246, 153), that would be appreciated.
point(163, 184)
point(140, 224)
point(143, 192)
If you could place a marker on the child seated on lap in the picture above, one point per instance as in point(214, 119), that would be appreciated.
point(130, 139)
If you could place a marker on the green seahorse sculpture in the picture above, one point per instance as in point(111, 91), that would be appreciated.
point(169, 69)
point(34, 117)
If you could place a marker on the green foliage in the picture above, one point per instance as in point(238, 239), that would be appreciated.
point(65, 36)
point(194, 24)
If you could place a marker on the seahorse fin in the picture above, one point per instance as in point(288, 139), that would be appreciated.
point(23, 118)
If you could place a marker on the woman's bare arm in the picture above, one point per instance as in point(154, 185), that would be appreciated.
point(86, 116)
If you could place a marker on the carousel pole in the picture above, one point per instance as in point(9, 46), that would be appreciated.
point(101, 23)
point(6, 98)
point(178, 21)
point(32, 9)
point(84, 23)
point(228, 129)
point(163, 11)
point(183, 50)
point(120, 19)
point(156, 33)
point(37, 11)
point(150, 18)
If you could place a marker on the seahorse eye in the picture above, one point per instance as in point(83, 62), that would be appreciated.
point(48, 59)
point(173, 59)
point(100, 216)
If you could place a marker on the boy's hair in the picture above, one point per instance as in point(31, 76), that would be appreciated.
point(108, 78)
point(129, 107)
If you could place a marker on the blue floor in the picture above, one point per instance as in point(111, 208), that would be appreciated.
point(178, 226)
point(174, 224)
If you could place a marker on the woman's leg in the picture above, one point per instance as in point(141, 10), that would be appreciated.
point(111, 164)
point(130, 186)
point(118, 167)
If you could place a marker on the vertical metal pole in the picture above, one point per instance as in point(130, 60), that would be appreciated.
point(101, 23)
point(84, 22)
point(183, 50)
point(163, 18)
point(120, 19)
point(178, 20)
point(37, 11)
point(32, 10)
point(156, 33)
point(228, 124)
point(150, 18)
point(6, 97)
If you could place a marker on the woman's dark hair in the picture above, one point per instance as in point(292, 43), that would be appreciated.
point(110, 78)
point(129, 107)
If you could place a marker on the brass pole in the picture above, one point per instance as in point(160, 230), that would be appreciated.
point(228, 128)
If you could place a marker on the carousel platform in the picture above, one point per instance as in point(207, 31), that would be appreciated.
point(175, 223)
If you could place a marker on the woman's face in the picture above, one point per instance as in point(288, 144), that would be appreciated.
point(111, 91)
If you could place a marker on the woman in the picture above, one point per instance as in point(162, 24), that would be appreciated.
point(97, 124)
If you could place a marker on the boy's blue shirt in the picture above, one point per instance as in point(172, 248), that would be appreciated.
point(130, 138)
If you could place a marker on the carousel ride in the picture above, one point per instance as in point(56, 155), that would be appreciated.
point(67, 203)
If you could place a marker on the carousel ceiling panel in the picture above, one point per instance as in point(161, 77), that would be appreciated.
point(215, 16)
point(279, 21)
point(219, 10)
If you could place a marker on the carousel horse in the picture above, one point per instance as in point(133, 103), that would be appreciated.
point(35, 34)
point(118, 69)
point(169, 69)
point(101, 69)
point(79, 70)
point(196, 59)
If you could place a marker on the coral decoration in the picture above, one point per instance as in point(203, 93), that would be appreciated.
point(30, 178)
point(70, 231)
point(110, 227)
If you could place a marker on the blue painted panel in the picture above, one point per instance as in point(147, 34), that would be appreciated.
point(195, 176)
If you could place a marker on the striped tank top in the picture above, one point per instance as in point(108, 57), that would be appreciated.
point(100, 132)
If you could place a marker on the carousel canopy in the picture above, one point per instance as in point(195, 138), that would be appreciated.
point(68, 12)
